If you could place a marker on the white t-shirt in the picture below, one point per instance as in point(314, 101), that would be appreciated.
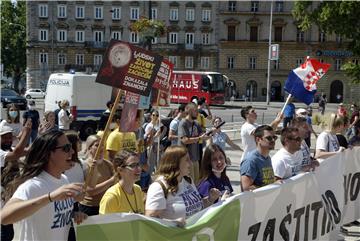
point(186, 202)
point(305, 153)
point(64, 120)
point(285, 164)
point(327, 142)
point(2, 157)
point(151, 127)
point(75, 174)
point(247, 139)
point(51, 222)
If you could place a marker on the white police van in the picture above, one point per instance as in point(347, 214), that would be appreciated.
point(87, 99)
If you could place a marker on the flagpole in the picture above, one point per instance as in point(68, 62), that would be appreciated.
point(286, 102)
point(269, 58)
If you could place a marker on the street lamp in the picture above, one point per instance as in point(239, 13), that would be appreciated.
point(269, 58)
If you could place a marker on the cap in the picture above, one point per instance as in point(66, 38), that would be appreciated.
point(341, 104)
point(301, 112)
point(31, 102)
point(5, 130)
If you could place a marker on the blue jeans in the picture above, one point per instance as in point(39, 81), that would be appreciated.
point(33, 135)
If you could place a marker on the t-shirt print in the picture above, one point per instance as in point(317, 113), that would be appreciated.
point(192, 200)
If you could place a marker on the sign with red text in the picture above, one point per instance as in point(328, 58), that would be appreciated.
point(129, 67)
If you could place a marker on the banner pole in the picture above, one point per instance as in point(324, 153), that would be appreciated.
point(158, 144)
point(286, 102)
point(89, 177)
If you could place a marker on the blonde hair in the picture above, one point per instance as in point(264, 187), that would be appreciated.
point(90, 142)
point(335, 121)
point(64, 103)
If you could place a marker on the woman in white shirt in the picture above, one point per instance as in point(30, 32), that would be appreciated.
point(65, 119)
point(173, 195)
point(13, 121)
point(327, 143)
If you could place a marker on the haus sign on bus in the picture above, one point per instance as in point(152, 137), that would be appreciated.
point(128, 67)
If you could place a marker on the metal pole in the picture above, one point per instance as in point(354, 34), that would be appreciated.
point(269, 57)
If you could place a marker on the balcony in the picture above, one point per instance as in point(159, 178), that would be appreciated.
point(96, 44)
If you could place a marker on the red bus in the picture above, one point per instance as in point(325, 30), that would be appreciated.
point(188, 85)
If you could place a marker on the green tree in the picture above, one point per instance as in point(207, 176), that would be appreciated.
point(339, 17)
point(13, 39)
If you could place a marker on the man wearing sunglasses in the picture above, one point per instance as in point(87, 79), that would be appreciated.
point(287, 162)
point(256, 169)
point(247, 129)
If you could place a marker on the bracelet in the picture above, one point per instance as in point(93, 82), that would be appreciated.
point(49, 197)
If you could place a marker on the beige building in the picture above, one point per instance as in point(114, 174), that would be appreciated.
point(244, 40)
point(226, 36)
point(68, 35)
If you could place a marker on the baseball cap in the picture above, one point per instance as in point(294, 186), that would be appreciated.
point(301, 112)
point(31, 102)
point(5, 130)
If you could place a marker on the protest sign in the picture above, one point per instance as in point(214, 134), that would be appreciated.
point(160, 94)
point(129, 67)
point(309, 206)
point(129, 110)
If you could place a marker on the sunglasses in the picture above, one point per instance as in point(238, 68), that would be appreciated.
point(155, 115)
point(132, 166)
point(65, 148)
point(271, 138)
point(298, 139)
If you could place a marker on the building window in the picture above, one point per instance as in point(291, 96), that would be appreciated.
point(205, 38)
point(279, 6)
point(252, 63)
point(254, 33)
point(337, 66)
point(190, 14)
point(79, 12)
point(79, 59)
point(230, 62)
point(173, 60)
point(174, 16)
point(43, 10)
point(43, 58)
point(206, 15)
point(338, 39)
point(154, 40)
point(355, 61)
point(154, 13)
point(98, 12)
point(61, 59)
point(231, 33)
point(205, 62)
point(134, 37)
point(299, 61)
point(278, 34)
point(134, 13)
point(251, 89)
point(276, 65)
point(116, 13)
point(254, 6)
point(299, 36)
point(97, 59)
point(322, 37)
point(189, 62)
point(43, 35)
point(189, 40)
point(61, 11)
point(98, 36)
point(61, 35)
point(232, 6)
point(173, 38)
point(116, 35)
point(321, 61)
point(79, 36)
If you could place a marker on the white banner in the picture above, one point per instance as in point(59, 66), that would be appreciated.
point(310, 206)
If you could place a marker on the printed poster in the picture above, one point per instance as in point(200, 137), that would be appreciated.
point(129, 67)
point(128, 114)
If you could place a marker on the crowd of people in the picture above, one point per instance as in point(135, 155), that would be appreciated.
point(169, 168)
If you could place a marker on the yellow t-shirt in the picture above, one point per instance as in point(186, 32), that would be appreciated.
point(121, 141)
point(202, 122)
point(116, 201)
point(100, 133)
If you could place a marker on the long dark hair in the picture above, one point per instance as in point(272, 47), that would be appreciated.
point(17, 119)
point(36, 160)
point(73, 138)
point(170, 166)
point(206, 168)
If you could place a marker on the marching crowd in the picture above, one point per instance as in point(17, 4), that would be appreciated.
point(169, 168)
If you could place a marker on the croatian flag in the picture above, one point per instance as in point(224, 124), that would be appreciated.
point(301, 82)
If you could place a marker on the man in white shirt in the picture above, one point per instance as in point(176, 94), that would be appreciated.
point(247, 129)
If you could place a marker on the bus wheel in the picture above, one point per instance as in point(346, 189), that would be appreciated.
point(89, 128)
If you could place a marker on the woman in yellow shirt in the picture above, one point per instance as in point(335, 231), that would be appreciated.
point(124, 196)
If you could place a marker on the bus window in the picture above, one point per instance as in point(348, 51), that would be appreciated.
point(217, 84)
point(205, 83)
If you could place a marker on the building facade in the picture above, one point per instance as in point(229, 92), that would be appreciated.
point(226, 36)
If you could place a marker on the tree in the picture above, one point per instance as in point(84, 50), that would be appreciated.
point(339, 17)
point(13, 39)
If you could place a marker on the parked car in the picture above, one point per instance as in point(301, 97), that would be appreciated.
point(34, 93)
point(9, 96)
